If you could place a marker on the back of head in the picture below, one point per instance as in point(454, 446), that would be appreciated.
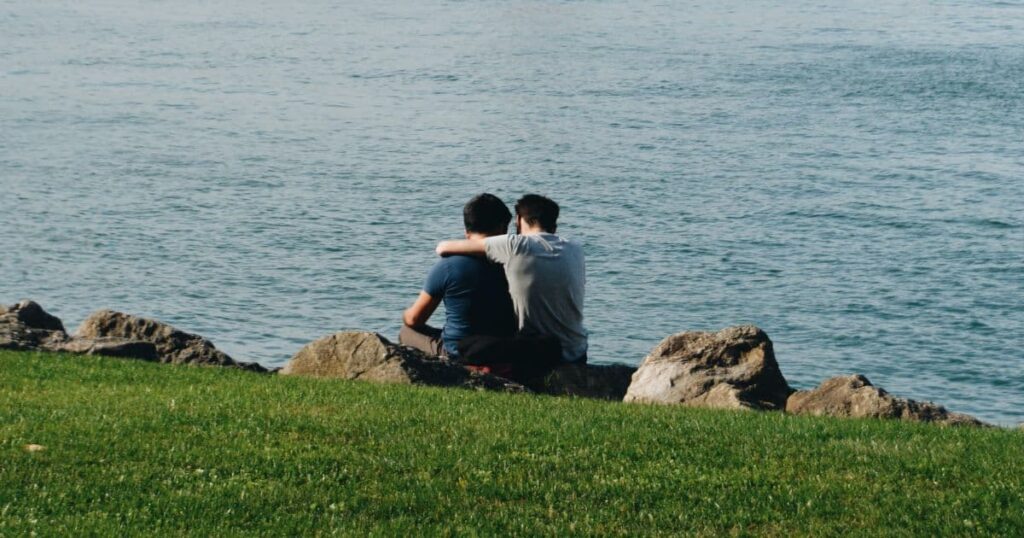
point(486, 214)
point(538, 210)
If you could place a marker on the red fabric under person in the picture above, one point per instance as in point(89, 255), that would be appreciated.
point(500, 369)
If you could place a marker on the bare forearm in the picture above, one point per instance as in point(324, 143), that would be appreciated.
point(409, 318)
point(472, 247)
point(421, 310)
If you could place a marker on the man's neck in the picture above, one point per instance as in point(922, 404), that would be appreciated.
point(531, 230)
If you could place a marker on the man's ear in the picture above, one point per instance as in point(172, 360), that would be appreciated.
point(467, 234)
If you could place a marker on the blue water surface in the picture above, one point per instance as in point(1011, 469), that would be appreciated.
point(849, 176)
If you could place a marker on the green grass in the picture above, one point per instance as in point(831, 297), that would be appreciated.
point(141, 448)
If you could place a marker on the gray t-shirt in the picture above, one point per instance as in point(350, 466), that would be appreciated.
point(546, 276)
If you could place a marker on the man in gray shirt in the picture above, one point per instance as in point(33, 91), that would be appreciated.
point(546, 274)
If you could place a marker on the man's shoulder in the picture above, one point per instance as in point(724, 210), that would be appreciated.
point(461, 265)
point(532, 242)
point(530, 245)
point(501, 241)
point(444, 276)
point(549, 241)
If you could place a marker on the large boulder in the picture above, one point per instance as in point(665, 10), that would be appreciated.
point(855, 396)
point(172, 345)
point(603, 381)
point(734, 368)
point(371, 357)
point(26, 326)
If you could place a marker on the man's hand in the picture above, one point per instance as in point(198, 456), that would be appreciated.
point(471, 247)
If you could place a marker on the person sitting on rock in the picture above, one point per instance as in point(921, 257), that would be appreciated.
point(474, 290)
point(546, 275)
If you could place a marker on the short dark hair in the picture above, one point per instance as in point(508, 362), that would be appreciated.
point(538, 210)
point(486, 213)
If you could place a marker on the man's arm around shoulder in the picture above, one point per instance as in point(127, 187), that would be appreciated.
point(466, 247)
point(496, 248)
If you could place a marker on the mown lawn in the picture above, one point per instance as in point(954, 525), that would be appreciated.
point(140, 448)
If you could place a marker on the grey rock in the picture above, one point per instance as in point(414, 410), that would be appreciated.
point(602, 381)
point(26, 326)
point(371, 357)
point(172, 345)
point(32, 315)
point(734, 368)
point(855, 396)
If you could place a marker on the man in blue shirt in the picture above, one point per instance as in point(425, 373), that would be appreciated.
point(474, 290)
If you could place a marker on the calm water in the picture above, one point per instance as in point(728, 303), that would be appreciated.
point(849, 178)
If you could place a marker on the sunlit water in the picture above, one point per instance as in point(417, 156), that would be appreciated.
point(847, 175)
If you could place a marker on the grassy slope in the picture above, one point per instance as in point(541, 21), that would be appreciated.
point(150, 448)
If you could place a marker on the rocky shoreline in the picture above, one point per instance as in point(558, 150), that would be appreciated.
point(734, 368)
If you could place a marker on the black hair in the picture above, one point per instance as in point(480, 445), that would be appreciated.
point(538, 210)
point(486, 213)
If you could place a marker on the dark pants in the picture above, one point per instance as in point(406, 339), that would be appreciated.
point(426, 339)
point(519, 358)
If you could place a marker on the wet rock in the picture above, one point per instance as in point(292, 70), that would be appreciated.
point(734, 368)
point(172, 345)
point(371, 357)
point(26, 326)
point(602, 381)
point(855, 396)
